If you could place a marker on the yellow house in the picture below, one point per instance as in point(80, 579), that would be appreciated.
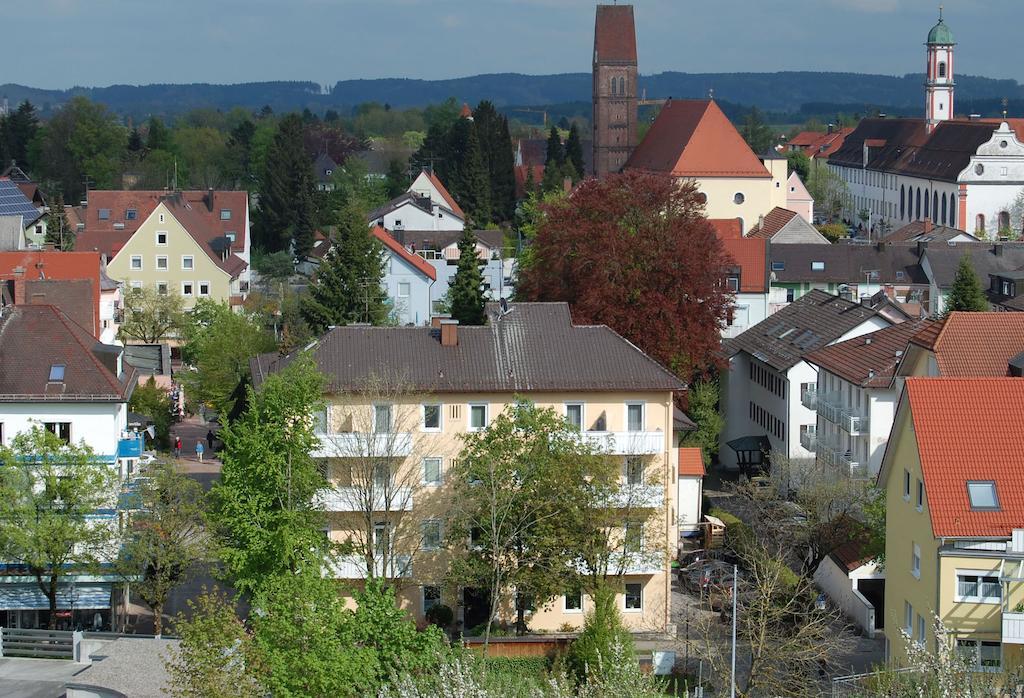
point(693, 140)
point(195, 244)
point(400, 398)
point(953, 476)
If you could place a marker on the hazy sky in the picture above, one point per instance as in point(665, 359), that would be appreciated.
point(60, 43)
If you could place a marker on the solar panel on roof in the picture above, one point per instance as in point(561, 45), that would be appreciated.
point(14, 203)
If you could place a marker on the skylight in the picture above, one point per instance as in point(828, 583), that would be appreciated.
point(104, 214)
point(982, 494)
point(57, 373)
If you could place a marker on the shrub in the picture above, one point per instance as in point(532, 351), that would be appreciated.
point(440, 615)
point(833, 231)
point(739, 537)
point(603, 636)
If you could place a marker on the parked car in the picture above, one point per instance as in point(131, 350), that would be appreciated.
point(688, 557)
point(700, 576)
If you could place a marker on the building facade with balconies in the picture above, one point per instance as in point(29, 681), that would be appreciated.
point(954, 513)
point(400, 401)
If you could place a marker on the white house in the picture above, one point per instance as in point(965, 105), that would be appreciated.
point(690, 490)
point(425, 205)
point(408, 280)
point(761, 390)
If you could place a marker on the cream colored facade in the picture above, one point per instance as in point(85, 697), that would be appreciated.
point(746, 198)
point(162, 252)
point(421, 496)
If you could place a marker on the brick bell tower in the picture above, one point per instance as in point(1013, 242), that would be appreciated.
point(615, 88)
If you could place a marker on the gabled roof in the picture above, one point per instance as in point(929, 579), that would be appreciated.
point(694, 138)
point(535, 347)
point(35, 337)
point(614, 34)
point(924, 231)
point(814, 320)
point(846, 264)
point(691, 462)
point(396, 247)
point(954, 451)
point(13, 202)
point(531, 151)
point(783, 226)
point(871, 359)
point(522, 175)
point(777, 219)
point(796, 190)
point(974, 344)
point(986, 258)
point(208, 236)
point(41, 268)
point(751, 257)
point(818, 144)
point(440, 239)
point(445, 194)
point(409, 198)
point(324, 167)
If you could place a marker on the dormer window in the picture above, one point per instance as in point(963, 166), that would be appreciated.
point(225, 214)
point(57, 373)
point(982, 494)
point(817, 266)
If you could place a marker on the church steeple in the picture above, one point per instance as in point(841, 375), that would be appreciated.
point(939, 74)
point(615, 88)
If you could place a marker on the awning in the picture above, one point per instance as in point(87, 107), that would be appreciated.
point(30, 597)
point(750, 443)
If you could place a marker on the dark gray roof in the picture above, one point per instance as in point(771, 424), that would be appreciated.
point(915, 232)
point(984, 257)
point(814, 320)
point(324, 167)
point(439, 239)
point(846, 263)
point(535, 347)
point(422, 202)
point(150, 359)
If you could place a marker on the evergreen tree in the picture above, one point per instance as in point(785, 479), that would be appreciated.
point(158, 137)
point(435, 154)
point(496, 146)
point(466, 295)
point(286, 210)
point(396, 178)
point(554, 176)
point(17, 131)
point(469, 182)
point(574, 150)
point(135, 143)
point(58, 232)
point(556, 154)
point(239, 160)
point(347, 286)
point(966, 293)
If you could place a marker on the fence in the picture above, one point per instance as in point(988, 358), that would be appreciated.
point(50, 644)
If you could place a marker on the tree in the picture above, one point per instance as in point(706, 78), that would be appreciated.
point(466, 295)
point(17, 131)
point(555, 152)
point(965, 293)
point(469, 181)
point(756, 132)
point(703, 399)
point(152, 401)
point(150, 315)
point(204, 155)
point(285, 216)
point(135, 144)
point(574, 150)
point(347, 286)
point(519, 487)
point(215, 658)
point(165, 537)
point(58, 232)
point(496, 145)
point(51, 492)
point(264, 510)
point(592, 653)
point(219, 344)
point(828, 190)
point(397, 179)
point(158, 136)
point(635, 252)
point(833, 232)
point(82, 140)
point(798, 162)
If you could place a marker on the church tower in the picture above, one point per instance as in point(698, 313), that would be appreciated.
point(938, 86)
point(615, 88)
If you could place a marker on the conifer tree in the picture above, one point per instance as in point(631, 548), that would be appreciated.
point(158, 137)
point(466, 295)
point(966, 293)
point(496, 146)
point(555, 154)
point(469, 183)
point(58, 232)
point(135, 143)
point(286, 185)
point(17, 130)
point(574, 151)
point(347, 286)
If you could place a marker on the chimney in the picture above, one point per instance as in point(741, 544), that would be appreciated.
point(209, 199)
point(830, 127)
point(449, 333)
point(997, 249)
point(928, 227)
point(567, 184)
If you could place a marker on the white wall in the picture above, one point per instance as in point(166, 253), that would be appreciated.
point(689, 491)
point(838, 586)
point(750, 309)
point(98, 424)
point(415, 307)
point(412, 217)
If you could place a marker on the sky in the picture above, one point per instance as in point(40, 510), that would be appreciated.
point(103, 42)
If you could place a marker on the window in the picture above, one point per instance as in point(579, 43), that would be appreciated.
point(432, 417)
point(204, 288)
point(634, 597)
point(161, 262)
point(908, 619)
point(136, 284)
point(431, 534)
point(188, 263)
point(634, 416)
point(733, 284)
point(161, 218)
point(431, 597)
point(404, 289)
point(634, 471)
point(161, 237)
point(982, 494)
point(187, 288)
point(920, 629)
point(920, 495)
point(131, 214)
point(432, 471)
point(382, 475)
point(477, 417)
point(230, 237)
point(573, 602)
point(790, 295)
point(980, 654)
point(817, 266)
point(633, 537)
point(778, 266)
point(382, 419)
point(62, 430)
point(574, 415)
point(738, 198)
point(906, 485)
point(104, 214)
point(915, 561)
point(381, 534)
point(321, 422)
point(56, 373)
point(977, 587)
point(225, 214)
point(136, 262)
point(161, 288)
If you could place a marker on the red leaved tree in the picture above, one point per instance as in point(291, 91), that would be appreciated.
point(634, 251)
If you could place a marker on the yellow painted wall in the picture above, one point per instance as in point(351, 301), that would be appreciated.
point(179, 244)
point(759, 193)
point(432, 502)
point(977, 620)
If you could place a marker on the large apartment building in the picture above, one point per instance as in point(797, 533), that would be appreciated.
point(403, 397)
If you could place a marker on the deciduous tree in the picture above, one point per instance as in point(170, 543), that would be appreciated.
point(149, 315)
point(635, 252)
point(82, 140)
point(151, 400)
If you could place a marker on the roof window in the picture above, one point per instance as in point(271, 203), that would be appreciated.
point(131, 214)
point(225, 214)
point(778, 266)
point(56, 373)
point(104, 214)
point(982, 494)
point(817, 266)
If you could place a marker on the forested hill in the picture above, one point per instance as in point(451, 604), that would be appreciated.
point(778, 92)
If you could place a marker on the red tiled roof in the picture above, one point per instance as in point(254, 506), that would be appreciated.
point(777, 219)
point(521, 173)
point(976, 344)
point(750, 254)
point(694, 138)
point(963, 434)
point(197, 220)
point(414, 259)
point(615, 34)
point(818, 144)
point(691, 462)
point(57, 266)
point(871, 359)
point(465, 112)
point(726, 228)
point(452, 203)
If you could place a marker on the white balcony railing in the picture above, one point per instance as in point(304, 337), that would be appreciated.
point(633, 563)
point(360, 444)
point(1013, 628)
point(639, 497)
point(809, 441)
point(809, 397)
point(626, 443)
point(849, 419)
point(354, 567)
point(349, 499)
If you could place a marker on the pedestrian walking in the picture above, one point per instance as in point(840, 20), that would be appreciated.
point(177, 447)
point(209, 439)
point(199, 450)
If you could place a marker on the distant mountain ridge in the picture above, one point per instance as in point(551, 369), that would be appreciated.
point(778, 92)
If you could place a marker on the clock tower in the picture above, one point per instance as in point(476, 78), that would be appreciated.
point(615, 88)
point(938, 86)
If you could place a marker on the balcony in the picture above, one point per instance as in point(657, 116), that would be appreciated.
point(354, 567)
point(853, 423)
point(841, 458)
point(809, 441)
point(1013, 628)
point(809, 397)
point(639, 497)
point(849, 419)
point(129, 447)
point(352, 499)
point(360, 444)
point(626, 443)
point(638, 563)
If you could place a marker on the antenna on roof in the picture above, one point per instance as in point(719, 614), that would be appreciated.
point(711, 93)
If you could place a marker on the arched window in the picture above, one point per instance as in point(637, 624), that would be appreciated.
point(613, 85)
point(926, 200)
point(1004, 222)
point(622, 86)
point(903, 202)
point(942, 69)
point(979, 223)
point(917, 215)
point(944, 221)
point(952, 211)
point(935, 205)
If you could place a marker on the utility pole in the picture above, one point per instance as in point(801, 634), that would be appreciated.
point(732, 680)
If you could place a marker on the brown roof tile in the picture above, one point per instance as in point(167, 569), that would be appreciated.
point(615, 34)
point(39, 265)
point(978, 344)
point(751, 256)
point(871, 359)
point(777, 219)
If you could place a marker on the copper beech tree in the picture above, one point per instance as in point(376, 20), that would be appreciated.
point(634, 251)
